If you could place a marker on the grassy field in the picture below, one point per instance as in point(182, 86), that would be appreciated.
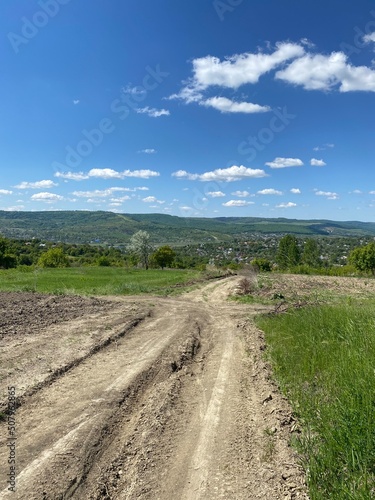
point(95, 280)
point(324, 360)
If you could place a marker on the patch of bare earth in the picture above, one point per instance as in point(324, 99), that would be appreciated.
point(154, 398)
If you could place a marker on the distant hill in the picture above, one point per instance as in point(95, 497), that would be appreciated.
point(113, 228)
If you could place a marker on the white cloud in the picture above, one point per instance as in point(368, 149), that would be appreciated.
point(185, 208)
point(270, 191)
point(226, 105)
point(324, 147)
point(120, 200)
point(48, 197)
point(152, 199)
point(148, 151)
point(215, 194)
point(46, 184)
point(328, 194)
point(76, 101)
point(357, 191)
point(326, 72)
point(237, 203)
point(369, 38)
point(286, 205)
point(295, 191)
point(241, 69)
point(241, 194)
point(233, 173)
point(284, 162)
point(317, 163)
point(128, 89)
point(153, 112)
point(97, 193)
point(108, 173)
point(16, 208)
point(5, 191)
point(72, 176)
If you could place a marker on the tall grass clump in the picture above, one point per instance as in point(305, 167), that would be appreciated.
point(324, 360)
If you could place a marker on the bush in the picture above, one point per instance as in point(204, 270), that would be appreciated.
point(54, 257)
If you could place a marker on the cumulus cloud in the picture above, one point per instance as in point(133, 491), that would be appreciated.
point(369, 38)
point(72, 176)
point(47, 197)
point(153, 112)
point(286, 205)
point(225, 105)
point(284, 162)
point(237, 203)
point(152, 199)
point(295, 191)
point(215, 194)
point(108, 173)
point(240, 69)
point(46, 184)
point(5, 191)
point(317, 163)
point(233, 173)
point(327, 72)
point(270, 191)
point(241, 194)
point(328, 194)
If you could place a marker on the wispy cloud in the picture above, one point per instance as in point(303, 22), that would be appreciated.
point(215, 194)
point(328, 194)
point(72, 176)
point(108, 173)
point(148, 151)
point(317, 163)
point(241, 194)
point(76, 101)
point(324, 147)
point(237, 203)
point(5, 191)
point(233, 173)
point(289, 204)
point(103, 193)
point(46, 184)
point(153, 112)
point(284, 162)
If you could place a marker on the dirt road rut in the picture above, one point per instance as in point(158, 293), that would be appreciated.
point(177, 404)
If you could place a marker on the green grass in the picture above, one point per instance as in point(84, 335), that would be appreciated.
point(95, 280)
point(324, 360)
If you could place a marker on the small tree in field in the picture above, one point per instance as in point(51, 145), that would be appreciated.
point(141, 246)
point(164, 256)
point(288, 254)
point(311, 253)
point(363, 258)
point(54, 257)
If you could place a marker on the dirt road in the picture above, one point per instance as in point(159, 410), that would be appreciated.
point(154, 398)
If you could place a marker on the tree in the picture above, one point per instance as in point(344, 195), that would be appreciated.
point(262, 264)
point(363, 258)
point(141, 246)
point(288, 254)
point(54, 257)
point(311, 253)
point(164, 256)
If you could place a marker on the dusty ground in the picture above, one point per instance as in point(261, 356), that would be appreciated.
point(152, 398)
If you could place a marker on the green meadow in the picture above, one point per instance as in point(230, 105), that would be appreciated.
point(324, 361)
point(96, 280)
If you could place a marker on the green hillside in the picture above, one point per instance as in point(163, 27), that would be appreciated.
point(112, 228)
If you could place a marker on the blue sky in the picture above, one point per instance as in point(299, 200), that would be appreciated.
point(192, 108)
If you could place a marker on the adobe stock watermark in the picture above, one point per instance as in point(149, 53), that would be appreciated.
point(358, 43)
point(12, 438)
point(121, 108)
point(31, 27)
point(223, 6)
point(254, 144)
